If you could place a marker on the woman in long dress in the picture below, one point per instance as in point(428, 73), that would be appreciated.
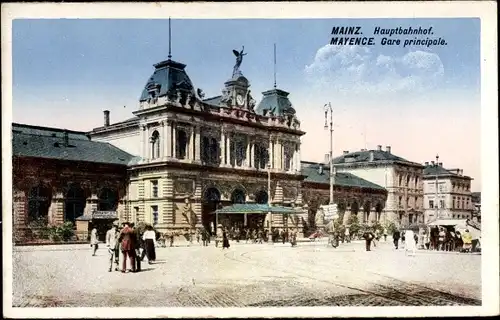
point(225, 240)
point(94, 242)
point(149, 238)
point(410, 245)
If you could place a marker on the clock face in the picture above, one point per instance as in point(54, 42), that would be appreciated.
point(239, 99)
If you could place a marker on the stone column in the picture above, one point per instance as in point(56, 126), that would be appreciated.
point(197, 145)
point(248, 151)
point(228, 149)
point(191, 144)
point(56, 210)
point(271, 152)
point(223, 160)
point(163, 138)
point(143, 141)
point(174, 139)
point(20, 210)
point(168, 139)
point(252, 154)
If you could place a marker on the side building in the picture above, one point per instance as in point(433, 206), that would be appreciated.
point(447, 193)
point(402, 179)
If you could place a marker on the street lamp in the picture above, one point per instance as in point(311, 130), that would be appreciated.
point(328, 109)
point(437, 199)
point(270, 214)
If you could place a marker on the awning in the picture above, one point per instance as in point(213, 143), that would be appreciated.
point(253, 208)
point(447, 222)
point(460, 225)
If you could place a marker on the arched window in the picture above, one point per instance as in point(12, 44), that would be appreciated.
point(261, 197)
point(155, 145)
point(181, 145)
point(39, 199)
point(238, 196)
point(74, 203)
point(108, 200)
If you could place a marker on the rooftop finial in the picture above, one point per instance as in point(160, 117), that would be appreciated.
point(169, 39)
point(275, 66)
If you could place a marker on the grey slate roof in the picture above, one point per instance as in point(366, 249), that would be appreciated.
point(364, 156)
point(214, 101)
point(345, 179)
point(275, 101)
point(42, 142)
point(168, 75)
point(437, 170)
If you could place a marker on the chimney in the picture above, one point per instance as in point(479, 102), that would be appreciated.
point(346, 152)
point(372, 156)
point(327, 158)
point(379, 148)
point(320, 169)
point(106, 118)
point(440, 164)
point(66, 138)
point(432, 162)
point(426, 163)
point(388, 149)
point(363, 149)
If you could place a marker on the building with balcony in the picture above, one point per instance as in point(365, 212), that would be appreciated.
point(447, 193)
point(180, 158)
point(402, 179)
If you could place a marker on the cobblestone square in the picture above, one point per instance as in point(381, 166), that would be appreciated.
point(246, 275)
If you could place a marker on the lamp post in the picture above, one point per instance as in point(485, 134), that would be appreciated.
point(329, 109)
point(437, 194)
point(269, 202)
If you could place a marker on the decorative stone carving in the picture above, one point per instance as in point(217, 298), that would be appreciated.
point(188, 213)
point(289, 192)
point(183, 187)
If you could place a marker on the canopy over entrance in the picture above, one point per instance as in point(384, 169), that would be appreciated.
point(254, 208)
point(459, 225)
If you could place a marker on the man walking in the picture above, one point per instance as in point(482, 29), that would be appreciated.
point(128, 247)
point(368, 236)
point(113, 246)
point(93, 240)
point(395, 236)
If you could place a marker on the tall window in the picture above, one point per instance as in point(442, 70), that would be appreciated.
point(238, 196)
point(408, 178)
point(39, 199)
point(416, 182)
point(155, 145)
point(431, 204)
point(154, 188)
point(416, 202)
point(238, 149)
point(154, 213)
point(410, 217)
point(441, 204)
point(108, 200)
point(288, 157)
point(209, 150)
point(74, 203)
point(400, 204)
point(453, 204)
point(181, 145)
point(261, 156)
point(400, 180)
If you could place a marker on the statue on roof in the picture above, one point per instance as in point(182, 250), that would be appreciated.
point(239, 60)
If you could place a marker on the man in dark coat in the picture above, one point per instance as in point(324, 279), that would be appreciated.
point(127, 240)
point(395, 236)
point(138, 245)
point(368, 236)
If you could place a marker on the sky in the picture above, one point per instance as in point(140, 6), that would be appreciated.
point(420, 100)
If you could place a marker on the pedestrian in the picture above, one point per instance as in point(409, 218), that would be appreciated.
point(411, 245)
point(93, 240)
point(403, 238)
point(198, 235)
point(283, 238)
point(385, 234)
point(138, 246)
point(467, 240)
point(149, 238)
point(347, 235)
point(368, 236)
point(247, 236)
point(441, 239)
point(293, 238)
point(395, 237)
point(113, 246)
point(127, 237)
point(427, 240)
point(225, 240)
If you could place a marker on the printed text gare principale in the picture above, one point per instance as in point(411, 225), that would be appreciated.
point(408, 36)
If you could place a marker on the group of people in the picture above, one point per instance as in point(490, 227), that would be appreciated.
point(133, 246)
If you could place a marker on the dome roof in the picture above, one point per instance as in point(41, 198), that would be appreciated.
point(275, 101)
point(168, 76)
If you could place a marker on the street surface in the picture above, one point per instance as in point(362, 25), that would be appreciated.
point(247, 275)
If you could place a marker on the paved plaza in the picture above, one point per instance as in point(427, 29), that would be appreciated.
point(311, 274)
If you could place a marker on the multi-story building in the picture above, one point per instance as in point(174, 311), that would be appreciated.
point(447, 193)
point(476, 205)
point(179, 159)
point(401, 178)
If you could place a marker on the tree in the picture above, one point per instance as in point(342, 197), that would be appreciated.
point(353, 223)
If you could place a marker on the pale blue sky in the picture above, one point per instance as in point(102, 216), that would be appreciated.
point(65, 72)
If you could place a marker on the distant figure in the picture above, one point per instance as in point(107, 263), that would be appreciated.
point(149, 238)
point(127, 240)
point(293, 238)
point(347, 235)
point(368, 236)
point(113, 246)
point(93, 240)
point(403, 238)
point(467, 240)
point(395, 236)
point(441, 238)
point(225, 240)
point(385, 234)
point(411, 244)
